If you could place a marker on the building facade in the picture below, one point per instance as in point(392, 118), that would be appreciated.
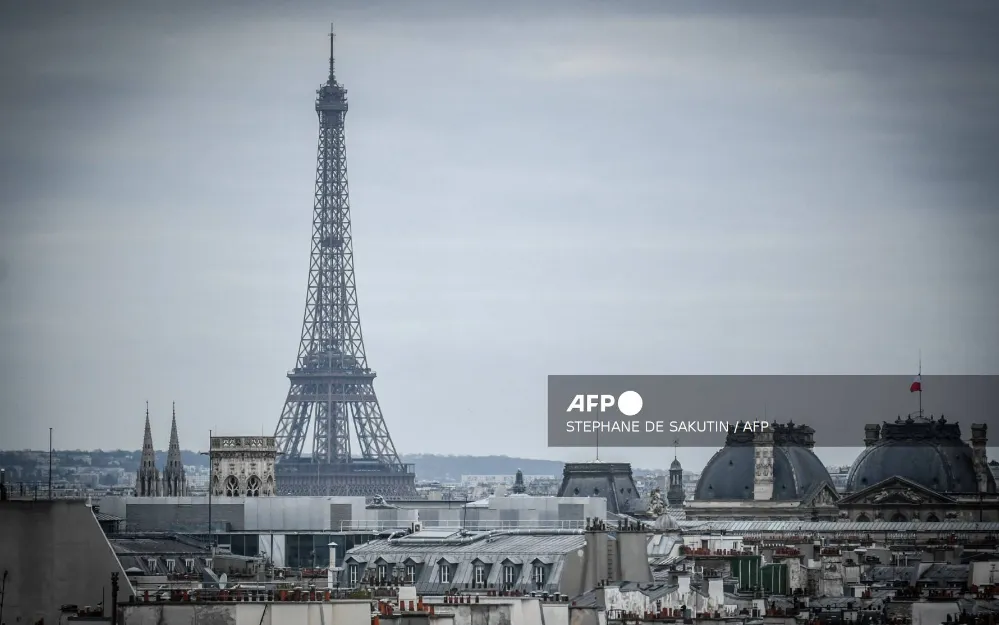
point(243, 466)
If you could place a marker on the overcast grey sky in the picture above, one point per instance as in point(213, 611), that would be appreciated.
point(600, 188)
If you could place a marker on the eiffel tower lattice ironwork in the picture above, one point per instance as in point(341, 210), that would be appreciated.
point(331, 384)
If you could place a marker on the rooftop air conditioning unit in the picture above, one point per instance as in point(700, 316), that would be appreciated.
point(417, 526)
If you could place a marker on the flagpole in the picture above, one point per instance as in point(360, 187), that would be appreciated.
point(920, 383)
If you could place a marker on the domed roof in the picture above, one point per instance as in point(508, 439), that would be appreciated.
point(928, 452)
point(729, 473)
point(675, 465)
point(666, 523)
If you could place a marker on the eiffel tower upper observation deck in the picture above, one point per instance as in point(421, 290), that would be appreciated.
point(331, 384)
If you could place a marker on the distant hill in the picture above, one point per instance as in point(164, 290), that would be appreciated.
point(451, 468)
point(429, 467)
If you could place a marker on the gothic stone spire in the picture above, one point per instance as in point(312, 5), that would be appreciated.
point(174, 480)
point(147, 483)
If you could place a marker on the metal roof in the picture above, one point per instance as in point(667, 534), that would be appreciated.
point(522, 545)
point(944, 527)
point(152, 547)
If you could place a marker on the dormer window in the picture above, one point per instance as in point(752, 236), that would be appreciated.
point(410, 573)
point(189, 564)
point(171, 565)
point(509, 574)
point(539, 574)
point(445, 573)
point(352, 574)
point(382, 573)
point(480, 574)
point(152, 562)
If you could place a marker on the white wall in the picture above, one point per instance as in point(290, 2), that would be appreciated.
point(934, 613)
point(984, 573)
point(274, 613)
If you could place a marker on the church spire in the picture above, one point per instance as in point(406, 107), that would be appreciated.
point(174, 440)
point(174, 480)
point(148, 452)
point(147, 483)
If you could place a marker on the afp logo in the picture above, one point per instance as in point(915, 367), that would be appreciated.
point(629, 403)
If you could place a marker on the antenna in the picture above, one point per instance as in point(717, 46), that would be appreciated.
point(332, 50)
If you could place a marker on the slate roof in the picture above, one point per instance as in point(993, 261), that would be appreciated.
point(492, 549)
point(154, 547)
point(946, 573)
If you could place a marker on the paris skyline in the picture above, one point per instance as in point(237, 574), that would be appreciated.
point(534, 191)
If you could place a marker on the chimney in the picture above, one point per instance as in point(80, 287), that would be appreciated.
point(594, 556)
point(329, 574)
point(763, 476)
point(979, 440)
point(632, 555)
point(872, 433)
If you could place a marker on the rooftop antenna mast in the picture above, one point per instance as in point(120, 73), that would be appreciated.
point(332, 51)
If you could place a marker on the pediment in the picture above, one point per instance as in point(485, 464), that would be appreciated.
point(823, 495)
point(896, 491)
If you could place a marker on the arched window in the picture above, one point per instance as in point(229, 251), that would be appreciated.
point(863, 519)
point(231, 486)
point(253, 486)
point(898, 517)
point(932, 518)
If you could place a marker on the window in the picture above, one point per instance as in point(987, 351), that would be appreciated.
point(410, 574)
point(353, 575)
point(382, 573)
point(445, 574)
point(480, 574)
point(208, 563)
point(508, 574)
point(189, 564)
point(232, 486)
point(539, 574)
point(253, 486)
point(171, 565)
point(152, 562)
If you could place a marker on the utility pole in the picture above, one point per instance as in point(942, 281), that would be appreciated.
point(211, 544)
point(50, 463)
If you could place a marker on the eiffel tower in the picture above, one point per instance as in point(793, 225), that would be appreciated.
point(331, 384)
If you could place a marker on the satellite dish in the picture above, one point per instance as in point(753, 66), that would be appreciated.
point(223, 579)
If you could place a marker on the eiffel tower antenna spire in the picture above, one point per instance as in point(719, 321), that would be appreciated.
point(332, 80)
point(331, 386)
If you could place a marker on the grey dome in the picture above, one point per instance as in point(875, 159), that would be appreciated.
point(729, 473)
point(666, 523)
point(929, 453)
point(675, 465)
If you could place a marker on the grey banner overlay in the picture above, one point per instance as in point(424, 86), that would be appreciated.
point(837, 407)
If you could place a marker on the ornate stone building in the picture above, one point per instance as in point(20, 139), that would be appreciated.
point(147, 480)
point(243, 466)
point(919, 469)
point(772, 474)
point(174, 478)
